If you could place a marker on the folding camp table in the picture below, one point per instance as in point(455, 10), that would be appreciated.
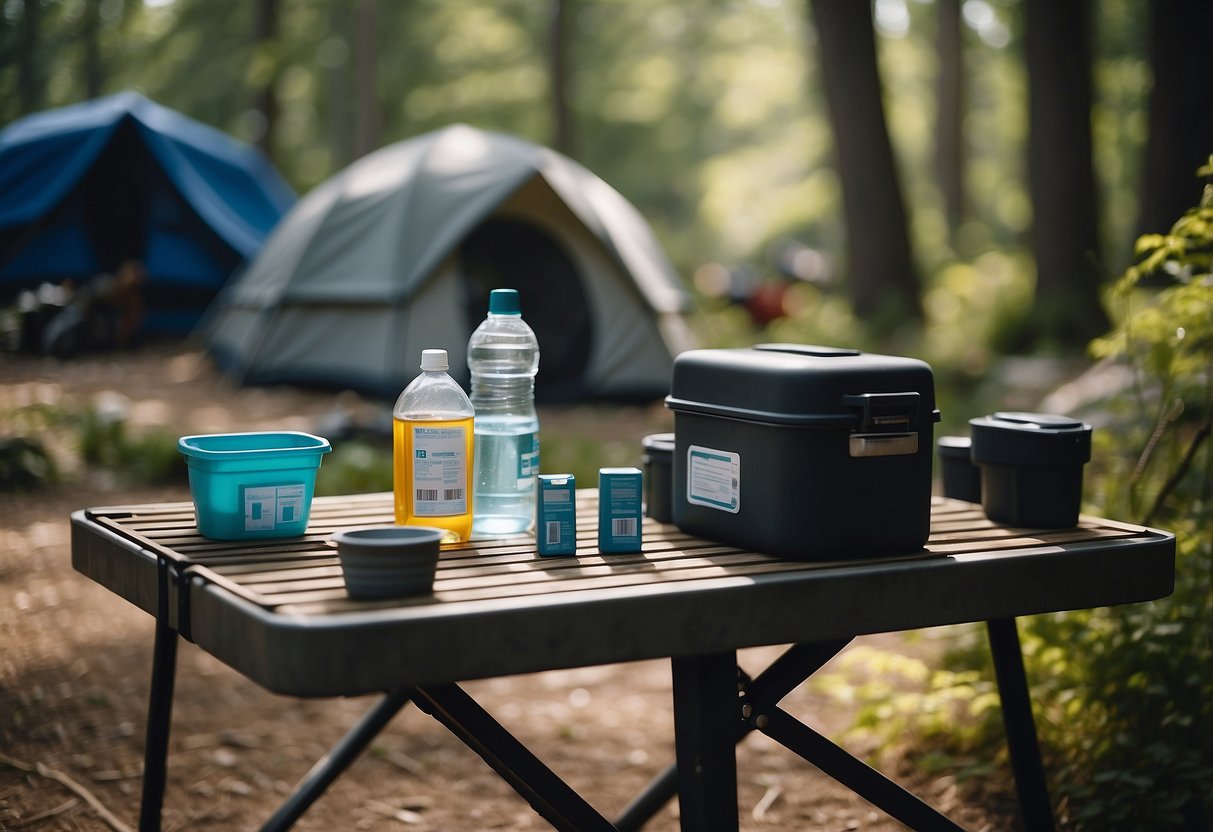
point(277, 611)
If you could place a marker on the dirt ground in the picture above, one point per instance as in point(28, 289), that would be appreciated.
point(75, 663)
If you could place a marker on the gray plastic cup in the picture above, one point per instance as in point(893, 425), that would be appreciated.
point(388, 561)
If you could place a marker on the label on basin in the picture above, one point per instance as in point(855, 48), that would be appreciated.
point(266, 507)
point(714, 478)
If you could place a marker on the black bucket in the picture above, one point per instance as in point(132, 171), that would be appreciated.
point(658, 462)
point(1031, 467)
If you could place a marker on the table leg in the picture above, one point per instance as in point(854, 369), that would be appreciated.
point(856, 775)
point(329, 767)
point(1021, 729)
point(649, 802)
point(550, 796)
point(159, 719)
point(794, 666)
point(705, 706)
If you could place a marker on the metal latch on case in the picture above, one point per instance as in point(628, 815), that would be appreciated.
point(882, 444)
point(886, 422)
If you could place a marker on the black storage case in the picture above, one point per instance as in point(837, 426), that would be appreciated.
point(805, 452)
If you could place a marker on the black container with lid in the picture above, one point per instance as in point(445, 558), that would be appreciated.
point(1031, 467)
point(802, 451)
point(961, 478)
point(658, 462)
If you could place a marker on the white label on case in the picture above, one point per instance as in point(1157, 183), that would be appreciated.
point(714, 478)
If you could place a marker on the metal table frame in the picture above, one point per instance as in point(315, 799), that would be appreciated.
point(971, 570)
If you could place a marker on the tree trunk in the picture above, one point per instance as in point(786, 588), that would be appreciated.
point(1180, 110)
point(1066, 308)
point(337, 81)
point(883, 277)
point(265, 98)
point(949, 135)
point(90, 33)
point(31, 79)
point(366, 55)
point(563, 136)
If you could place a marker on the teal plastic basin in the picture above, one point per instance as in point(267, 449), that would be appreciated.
point(256, 485)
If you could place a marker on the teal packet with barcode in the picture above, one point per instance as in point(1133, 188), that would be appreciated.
point(556, 515)
point(620, 491)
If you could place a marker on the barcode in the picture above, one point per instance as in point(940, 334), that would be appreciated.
point(552, 532)
point(429, 495)
point(623, 527)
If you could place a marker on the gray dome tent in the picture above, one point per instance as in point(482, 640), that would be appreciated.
point(399, 251)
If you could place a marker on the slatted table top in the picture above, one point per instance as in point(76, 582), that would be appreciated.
point(278, 610)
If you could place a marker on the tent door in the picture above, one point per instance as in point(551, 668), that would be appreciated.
point(516, 254)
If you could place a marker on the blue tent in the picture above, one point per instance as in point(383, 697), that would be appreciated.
point(87, 186)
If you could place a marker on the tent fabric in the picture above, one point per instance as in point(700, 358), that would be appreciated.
point(397, 253)
point(86, 186)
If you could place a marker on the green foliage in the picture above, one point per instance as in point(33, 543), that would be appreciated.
point(707, 115)
point(25, 464)
point(151, 457)
point(583, 456)
point(1139, 682)
point(25, 461)
point(1123, 696)
point(356, 466)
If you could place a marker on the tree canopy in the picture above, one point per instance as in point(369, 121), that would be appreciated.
point(709, 115)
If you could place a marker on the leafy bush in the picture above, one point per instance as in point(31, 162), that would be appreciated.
point(356, 467)
point(1123, 696)
point(25, 461)
point(150, 457)
point(24, 464)
point(1134, 689)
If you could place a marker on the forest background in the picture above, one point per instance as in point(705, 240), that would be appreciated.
point(955, 180)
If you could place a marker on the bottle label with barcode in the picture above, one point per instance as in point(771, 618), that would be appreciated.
point(439, 471)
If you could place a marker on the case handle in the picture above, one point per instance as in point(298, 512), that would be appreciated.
point(809, 349)
point(886, 412)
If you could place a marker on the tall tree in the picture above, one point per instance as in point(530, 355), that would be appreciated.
point(266, 60)
point(1180, 110)
point(883, 276)
point(31, 77)
point(949, 116)
point(90, 35)
point(1066, 308)
point(368, 133)
point(340, 138)
point(563, 137)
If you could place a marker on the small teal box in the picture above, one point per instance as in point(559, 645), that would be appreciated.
point(620, 491)
point(249, 486)
point(556, 515)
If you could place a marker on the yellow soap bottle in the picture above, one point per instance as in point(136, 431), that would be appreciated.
point(433, 451)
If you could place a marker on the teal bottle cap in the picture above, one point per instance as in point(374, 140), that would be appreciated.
point(504, 302)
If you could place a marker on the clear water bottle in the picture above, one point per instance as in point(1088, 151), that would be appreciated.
point(503, 356)
point(432, 451)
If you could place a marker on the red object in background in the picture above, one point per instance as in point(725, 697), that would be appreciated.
point(765, 303)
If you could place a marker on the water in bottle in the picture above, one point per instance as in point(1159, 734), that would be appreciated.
point(433, 455)
point(503, 356)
